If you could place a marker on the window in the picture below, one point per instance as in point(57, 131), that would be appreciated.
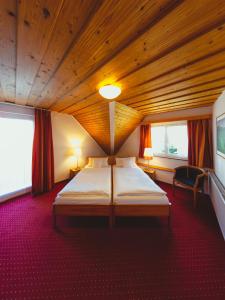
point(15, 154)
point(170, 140)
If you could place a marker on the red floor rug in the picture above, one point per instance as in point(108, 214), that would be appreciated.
point(139, 259)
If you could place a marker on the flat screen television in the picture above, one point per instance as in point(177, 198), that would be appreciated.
point(220, 129)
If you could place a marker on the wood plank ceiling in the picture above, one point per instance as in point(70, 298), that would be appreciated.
point(167, 55)
point(125, 120)
point(97, 123)
point(103, 123)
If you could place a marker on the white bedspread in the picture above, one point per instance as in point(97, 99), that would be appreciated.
point(133, 181)
point(89, 181)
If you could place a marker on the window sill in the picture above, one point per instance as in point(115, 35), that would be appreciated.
point(14, 194)
point(171, 157)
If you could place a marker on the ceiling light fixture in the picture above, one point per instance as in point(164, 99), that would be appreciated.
point(110, 91)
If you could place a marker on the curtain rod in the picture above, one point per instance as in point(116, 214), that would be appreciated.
point(20, 105)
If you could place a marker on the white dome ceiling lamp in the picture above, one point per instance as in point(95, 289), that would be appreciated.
point(110, 91)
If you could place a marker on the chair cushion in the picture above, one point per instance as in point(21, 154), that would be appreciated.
point(181, 172)
point(187, 180)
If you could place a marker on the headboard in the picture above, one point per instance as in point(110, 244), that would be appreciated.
point(111, 159)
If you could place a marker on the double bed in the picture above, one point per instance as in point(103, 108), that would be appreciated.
point(119, 190)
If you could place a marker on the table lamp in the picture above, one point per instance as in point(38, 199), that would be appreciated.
point(148, 155)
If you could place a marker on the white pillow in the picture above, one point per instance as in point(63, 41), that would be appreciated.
point(97, 162)
point(89, 165)
point(126, 162)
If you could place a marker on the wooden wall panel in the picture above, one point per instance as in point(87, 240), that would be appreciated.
point(126, 120)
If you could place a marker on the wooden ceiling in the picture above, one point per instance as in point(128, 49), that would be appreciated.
point(102, 124)
point(97, 123)
point(166, 54)
point(126, 119)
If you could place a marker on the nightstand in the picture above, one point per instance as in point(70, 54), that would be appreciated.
point(74, 172)
point(150, 172)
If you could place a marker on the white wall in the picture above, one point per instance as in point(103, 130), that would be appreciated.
point(219, 162)
point(217, 198)
point(131, 145)
point(219, 166)
point(67, 133)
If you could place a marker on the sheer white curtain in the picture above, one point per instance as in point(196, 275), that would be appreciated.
point(16, 140)
point(170, 139)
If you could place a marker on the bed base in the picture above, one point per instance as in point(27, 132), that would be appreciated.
point(82, 210)
point(111, 211)
point(141, 211)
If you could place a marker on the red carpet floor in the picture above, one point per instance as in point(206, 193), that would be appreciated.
point(139, 259)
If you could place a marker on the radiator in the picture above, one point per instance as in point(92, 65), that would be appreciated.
point(217, 194)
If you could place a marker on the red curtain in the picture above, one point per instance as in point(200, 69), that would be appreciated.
point(200, 147)
point(145, 139)
point(43, 159)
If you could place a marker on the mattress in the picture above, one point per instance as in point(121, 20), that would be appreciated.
point(83, 200)
point(89, 186)
point(140, 200)
point(147, 198)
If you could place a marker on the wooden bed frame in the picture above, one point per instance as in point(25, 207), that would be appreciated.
point(112, 210)
point(144, 210)
point(84, 210)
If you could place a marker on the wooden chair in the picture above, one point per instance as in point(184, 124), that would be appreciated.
point(191, 178)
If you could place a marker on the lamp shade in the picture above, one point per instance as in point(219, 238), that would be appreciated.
point(148, 153)
point(77, 151)
point(110, 91)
